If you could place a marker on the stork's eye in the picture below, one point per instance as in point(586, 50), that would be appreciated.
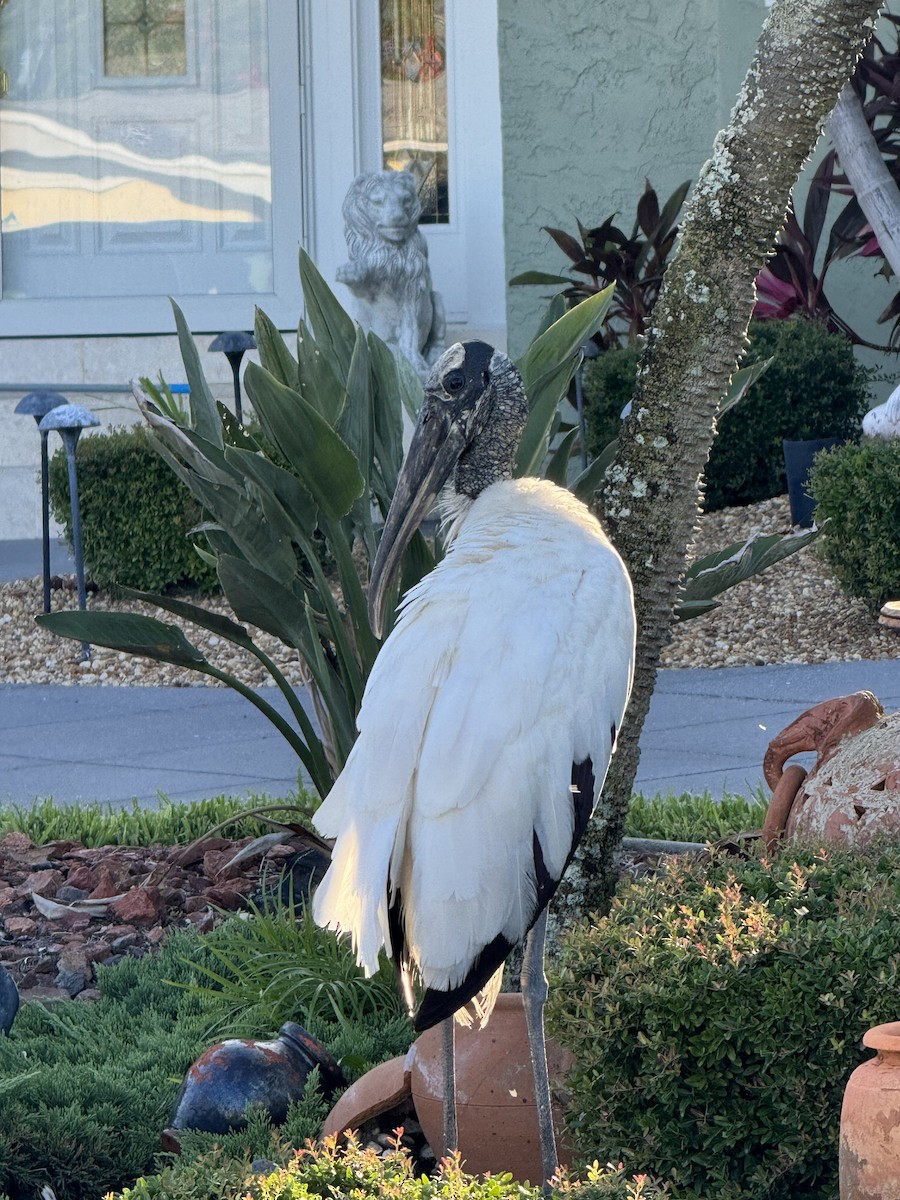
point(454, 382)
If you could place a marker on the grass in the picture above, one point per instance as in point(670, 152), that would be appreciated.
point(685, 817)
point(97, 824)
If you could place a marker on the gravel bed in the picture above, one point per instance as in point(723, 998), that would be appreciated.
point(793, 613)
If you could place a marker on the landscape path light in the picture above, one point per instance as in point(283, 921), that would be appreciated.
point(69, 420)
point(234, 345)
point(37, 405)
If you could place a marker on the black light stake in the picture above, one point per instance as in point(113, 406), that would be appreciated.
point(234, 345)
point(37, 405)
point(69, 420)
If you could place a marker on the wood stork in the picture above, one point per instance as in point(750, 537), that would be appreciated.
point(489, 717)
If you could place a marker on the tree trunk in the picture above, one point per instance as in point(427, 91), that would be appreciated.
point(650, 501)
point(860, 158)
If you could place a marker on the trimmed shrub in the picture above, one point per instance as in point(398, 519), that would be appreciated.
point(857, 489)
point(136, 515)
point(814, 388)
point(717, 1012)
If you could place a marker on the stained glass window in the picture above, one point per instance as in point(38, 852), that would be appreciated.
point(414, 98)
point(144, 38)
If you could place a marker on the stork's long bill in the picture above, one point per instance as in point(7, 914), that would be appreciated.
point(470, 423)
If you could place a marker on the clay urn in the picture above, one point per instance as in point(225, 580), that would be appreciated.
point(496, 1113)
point(242, 1072)
point(852, 793)
point(870, 1121)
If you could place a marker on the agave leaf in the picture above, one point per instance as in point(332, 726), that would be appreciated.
point(717, 572)
point(558, 307)
point(131, 633)
point(741, 382)
point(203, 408)
point(324, 463)
point(334, 331)
point(273, 353)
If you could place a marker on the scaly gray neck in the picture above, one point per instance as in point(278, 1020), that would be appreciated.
point(491, 454)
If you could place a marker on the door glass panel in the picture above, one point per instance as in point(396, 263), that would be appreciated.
point(135, 148)
point(144, 37)
point(414, 98)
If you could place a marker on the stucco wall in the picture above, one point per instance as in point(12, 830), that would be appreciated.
point(596, 97)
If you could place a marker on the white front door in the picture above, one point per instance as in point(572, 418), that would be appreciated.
point(138, 160)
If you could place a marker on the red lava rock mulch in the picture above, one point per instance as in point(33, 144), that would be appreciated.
point(150, 889)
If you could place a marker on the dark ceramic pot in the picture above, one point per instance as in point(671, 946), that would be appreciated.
point(240, 1073)
point(798, 458)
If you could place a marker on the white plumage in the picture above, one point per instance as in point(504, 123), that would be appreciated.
point(511, 661)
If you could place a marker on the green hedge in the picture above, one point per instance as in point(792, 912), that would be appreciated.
point(717, 1013)
point(813, 388)
point(857, 490)
point(136, 516)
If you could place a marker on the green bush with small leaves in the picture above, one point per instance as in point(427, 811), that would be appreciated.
point(857, 491)
point(717, 1012)
point(813, 388)
point(328, 1172)
point(136, 516)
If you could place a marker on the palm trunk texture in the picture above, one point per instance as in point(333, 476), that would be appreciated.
point(651, 497)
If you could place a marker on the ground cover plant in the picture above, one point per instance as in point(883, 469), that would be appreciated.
point(718, 1011)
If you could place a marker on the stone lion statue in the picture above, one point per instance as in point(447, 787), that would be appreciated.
point(388, 271)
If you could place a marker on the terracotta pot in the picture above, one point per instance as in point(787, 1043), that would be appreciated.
point(870, 1121)
point(495, 1109)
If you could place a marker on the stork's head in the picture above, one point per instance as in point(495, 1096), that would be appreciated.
point(469, 428)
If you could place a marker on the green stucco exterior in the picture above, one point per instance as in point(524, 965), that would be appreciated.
point(596, 98)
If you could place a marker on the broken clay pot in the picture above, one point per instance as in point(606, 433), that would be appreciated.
point(852, 794)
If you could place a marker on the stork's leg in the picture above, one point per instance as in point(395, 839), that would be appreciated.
point(451, 1135)
point(534, 991)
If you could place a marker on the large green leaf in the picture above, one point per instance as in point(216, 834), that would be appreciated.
point(357, 425)
point(318, 382)
point(545, 397)
point(274, 354)
point(562, 341)
point(325, 465)
point(224, 494)
point(296, 501)
point(130, 633)
point(204, 417)
point(262, 601)
point(388, 417)
point(334, 331)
